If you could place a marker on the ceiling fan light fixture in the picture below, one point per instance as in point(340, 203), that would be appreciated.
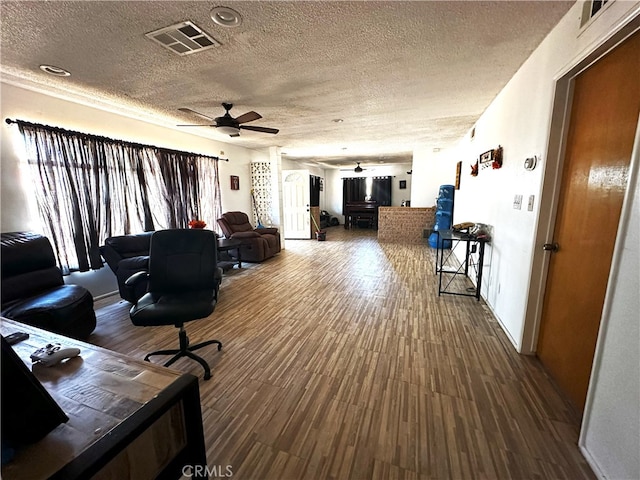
point(228, 129)
point(226, 17)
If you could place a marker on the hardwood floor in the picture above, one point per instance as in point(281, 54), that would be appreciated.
point(340, 361)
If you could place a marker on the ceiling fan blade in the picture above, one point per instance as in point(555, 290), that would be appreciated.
point(260, 129)
point(202, 125)
point(188, 110)
point(248, 117)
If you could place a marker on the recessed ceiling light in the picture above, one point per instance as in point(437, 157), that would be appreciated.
point(226, 17)
point(57, 71)
point(337, 120)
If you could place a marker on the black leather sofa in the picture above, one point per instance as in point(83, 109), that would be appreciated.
point(34, 292)
point(129, 254)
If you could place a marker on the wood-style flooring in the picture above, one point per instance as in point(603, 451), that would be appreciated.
point(340, 361)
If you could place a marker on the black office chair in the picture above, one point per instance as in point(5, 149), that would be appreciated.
point(183, 281)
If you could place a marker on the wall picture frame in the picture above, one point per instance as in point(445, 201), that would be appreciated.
point(403, 184)
point(235, 182)
point(487, 157)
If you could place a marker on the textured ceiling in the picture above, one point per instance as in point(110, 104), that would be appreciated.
point(397, 73)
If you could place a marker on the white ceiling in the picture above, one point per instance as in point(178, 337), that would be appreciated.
point(397, 73)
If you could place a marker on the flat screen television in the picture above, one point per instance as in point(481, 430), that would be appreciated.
point(28, 411)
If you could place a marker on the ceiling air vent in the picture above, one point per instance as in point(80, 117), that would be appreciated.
point(590, 8)
point(183, 38)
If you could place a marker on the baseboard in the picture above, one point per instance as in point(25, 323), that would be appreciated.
point(105, 295)
point(592, 463)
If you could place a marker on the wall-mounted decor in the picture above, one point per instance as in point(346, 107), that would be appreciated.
point(474, 169)
point(321, 184)
point(403, 184)
point(235, 182)
point(491, 158)
point(458, 173)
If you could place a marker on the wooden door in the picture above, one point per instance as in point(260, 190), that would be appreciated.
point(604, 115)
point(295, 204)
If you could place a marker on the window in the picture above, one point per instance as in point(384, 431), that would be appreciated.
point(89, 188)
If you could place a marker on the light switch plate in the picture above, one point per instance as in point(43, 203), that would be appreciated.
point(532, 199)
point(517, 202)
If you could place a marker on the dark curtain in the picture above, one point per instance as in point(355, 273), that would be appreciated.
point(314, 191)
point(91, 188)
point(180, 174)
point(381, 191)
point(353, 190)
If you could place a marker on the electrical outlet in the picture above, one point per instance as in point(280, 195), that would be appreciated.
point(517, 202)
point(531, 201)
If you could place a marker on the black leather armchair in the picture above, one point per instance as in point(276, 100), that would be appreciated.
point(182, 280)
point(126, 255)
point(33, 291)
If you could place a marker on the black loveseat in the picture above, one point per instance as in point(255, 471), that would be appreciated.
point(126, 255)
point(129, 254)
point(34, 292)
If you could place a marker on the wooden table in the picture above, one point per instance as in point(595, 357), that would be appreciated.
point(227, 244)
point(127, 418)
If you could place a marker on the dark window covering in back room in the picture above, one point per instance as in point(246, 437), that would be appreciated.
point(314, 191)
point(355, 190)
point(89, 188)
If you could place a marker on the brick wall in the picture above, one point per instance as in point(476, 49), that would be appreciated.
point(404, 224)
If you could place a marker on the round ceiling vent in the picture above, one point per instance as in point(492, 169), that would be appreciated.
point(226, 17)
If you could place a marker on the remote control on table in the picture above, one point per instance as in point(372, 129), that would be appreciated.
point(16, 337)
point(53, 353)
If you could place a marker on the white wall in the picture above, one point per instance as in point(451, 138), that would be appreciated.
point(519, 119)
point(611, 427)
point(430, 170)
point(17, 206)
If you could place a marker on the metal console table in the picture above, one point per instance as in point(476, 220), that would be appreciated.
point(448, 268)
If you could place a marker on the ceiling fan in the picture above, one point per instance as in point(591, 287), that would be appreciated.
point(229, 125)
point(357, 169)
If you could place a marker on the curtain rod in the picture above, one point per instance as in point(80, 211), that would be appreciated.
point(101, 138)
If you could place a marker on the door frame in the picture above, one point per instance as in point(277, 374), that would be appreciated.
point(306, 173)
point(552, 181)
point(549, 198)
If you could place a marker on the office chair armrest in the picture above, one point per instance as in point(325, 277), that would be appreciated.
point(136, 278)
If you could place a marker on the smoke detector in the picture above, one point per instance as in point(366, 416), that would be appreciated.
point(226, 17)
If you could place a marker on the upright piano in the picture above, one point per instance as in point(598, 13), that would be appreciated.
point(357, 213)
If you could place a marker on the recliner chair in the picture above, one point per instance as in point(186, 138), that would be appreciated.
point(258, 243)
point(182, 283)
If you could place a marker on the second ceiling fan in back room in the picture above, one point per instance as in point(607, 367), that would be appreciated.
point(229, 125)
point(357, 169)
